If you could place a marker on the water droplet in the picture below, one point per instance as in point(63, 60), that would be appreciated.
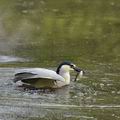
point(118, 92)
point(113, 92)
point(102, 85)
point(113, 114)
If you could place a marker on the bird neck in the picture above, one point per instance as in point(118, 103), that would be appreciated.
point(66, 76)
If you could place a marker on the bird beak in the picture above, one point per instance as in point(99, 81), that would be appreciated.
point(79, 72)
point(77, 69)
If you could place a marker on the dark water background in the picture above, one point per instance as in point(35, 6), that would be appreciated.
point(42, 33)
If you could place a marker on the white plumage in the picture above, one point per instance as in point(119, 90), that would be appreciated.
point(44, 78)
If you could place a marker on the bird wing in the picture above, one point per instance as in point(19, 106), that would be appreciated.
point(42, 83)
point(34, 73)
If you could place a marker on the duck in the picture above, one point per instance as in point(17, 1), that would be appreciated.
point(46, 78)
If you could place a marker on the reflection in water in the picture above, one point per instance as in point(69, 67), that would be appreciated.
point(71, 30)
point(5, 59)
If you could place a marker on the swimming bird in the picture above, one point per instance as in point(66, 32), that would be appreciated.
point(45, 78)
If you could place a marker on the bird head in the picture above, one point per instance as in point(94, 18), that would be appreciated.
point(67, 66)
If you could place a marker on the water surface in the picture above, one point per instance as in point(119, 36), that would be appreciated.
point(43, 33)
point(95, 96)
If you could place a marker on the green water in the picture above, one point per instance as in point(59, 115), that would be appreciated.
point(42, 33)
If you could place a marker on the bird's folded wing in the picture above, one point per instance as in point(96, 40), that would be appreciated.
point(37, 73)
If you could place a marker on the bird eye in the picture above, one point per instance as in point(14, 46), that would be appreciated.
point(72, 65)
